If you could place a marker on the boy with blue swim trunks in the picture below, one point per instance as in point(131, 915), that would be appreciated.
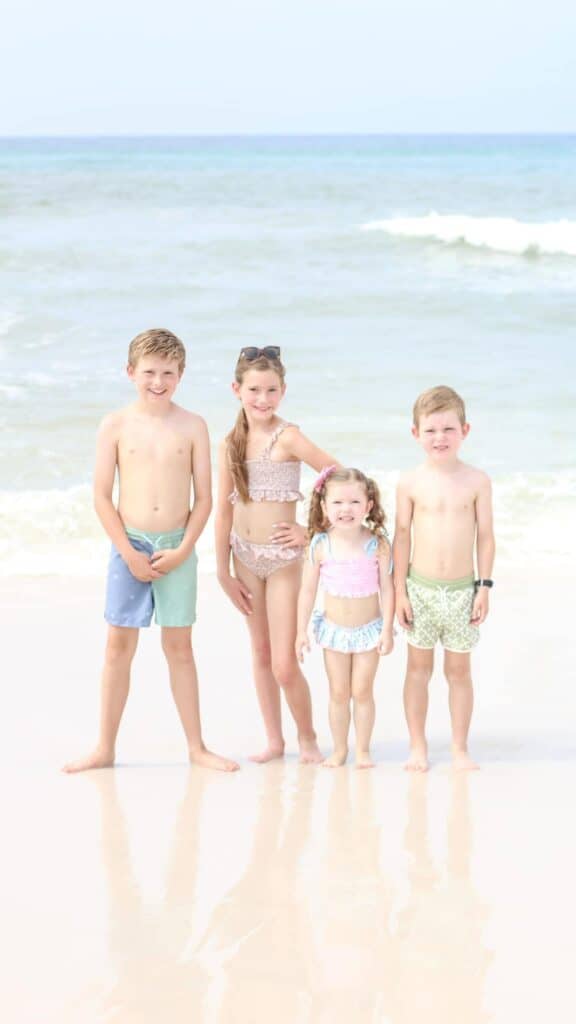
point(443, 516)
point(159, 451)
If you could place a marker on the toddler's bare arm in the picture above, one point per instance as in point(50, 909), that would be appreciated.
point(306, 598)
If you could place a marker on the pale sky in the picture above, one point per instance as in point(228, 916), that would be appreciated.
point(121, 66)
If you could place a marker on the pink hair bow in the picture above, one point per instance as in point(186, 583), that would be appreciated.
point(322, 477)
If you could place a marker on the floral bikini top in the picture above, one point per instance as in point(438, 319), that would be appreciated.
point(272, 481)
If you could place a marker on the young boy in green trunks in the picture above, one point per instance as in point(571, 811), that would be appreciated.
point(159, 451)
point(443, 513)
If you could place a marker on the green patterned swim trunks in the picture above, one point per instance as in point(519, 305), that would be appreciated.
point(441, 610)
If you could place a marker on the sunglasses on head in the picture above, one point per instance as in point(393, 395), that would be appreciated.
point(251, 352)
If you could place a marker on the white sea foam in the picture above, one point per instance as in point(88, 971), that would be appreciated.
point(500, 234)
point(56, 531)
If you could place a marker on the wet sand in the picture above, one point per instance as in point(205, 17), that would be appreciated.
point(161, 893)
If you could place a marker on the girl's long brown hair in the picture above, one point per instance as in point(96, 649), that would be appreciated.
point(237, 439)
point(375, 518)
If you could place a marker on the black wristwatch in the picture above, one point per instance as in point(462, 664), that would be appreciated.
point(483, 583)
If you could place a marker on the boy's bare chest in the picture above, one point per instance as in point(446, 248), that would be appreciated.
point(445, 501)
point(165, 448)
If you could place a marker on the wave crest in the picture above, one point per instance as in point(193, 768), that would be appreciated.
point(500, 234)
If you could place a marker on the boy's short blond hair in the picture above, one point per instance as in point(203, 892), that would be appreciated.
point(157, 342)
point(438, 399)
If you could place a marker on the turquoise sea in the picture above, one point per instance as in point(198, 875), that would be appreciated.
point(381, 265)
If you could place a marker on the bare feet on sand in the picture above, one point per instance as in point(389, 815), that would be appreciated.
point(206, 759)
point(336, 759)
point(363, 759)
point(97, 759)
point(463, 762)
point(272, 753)
point(309, 752)
point(418, 760)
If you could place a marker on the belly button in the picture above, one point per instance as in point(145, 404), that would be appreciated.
point(156, 508)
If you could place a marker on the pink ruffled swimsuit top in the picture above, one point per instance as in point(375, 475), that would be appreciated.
point(272, 481)
point(348, 577)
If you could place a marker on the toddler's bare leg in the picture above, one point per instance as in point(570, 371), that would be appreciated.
point(281, 599)
point(461, 702)
point(120, 649)
point(267, 689)
point(364, 668)
point(418, 673)
point(177, 646)
point(339, 672)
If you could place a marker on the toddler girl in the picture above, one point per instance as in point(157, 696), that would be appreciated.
point(350, 555)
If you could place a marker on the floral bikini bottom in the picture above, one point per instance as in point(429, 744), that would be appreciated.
point(263, 559)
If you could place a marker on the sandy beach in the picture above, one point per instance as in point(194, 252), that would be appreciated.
point(158, 892)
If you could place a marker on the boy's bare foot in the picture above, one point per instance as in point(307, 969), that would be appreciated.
point(97, 759)
point(272, 753)
point(206, 759)
point(363, 759)
point(418, 760)
point(309, 752)
point(336, 759)
point(463, 762)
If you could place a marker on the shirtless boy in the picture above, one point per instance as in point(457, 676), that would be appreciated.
point(159, 450)
point(443, 513)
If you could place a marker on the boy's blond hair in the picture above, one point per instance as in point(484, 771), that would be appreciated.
point(157, 342)
point(438, 399)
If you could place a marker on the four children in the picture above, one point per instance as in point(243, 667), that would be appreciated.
point(443, 518)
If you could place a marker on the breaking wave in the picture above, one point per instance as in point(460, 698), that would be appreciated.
point(499, 234)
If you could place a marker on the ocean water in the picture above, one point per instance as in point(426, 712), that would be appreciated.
point(381, 265)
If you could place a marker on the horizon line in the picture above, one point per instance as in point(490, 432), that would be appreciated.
point(216, 134)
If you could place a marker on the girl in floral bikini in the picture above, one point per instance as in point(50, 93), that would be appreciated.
point(258, 487)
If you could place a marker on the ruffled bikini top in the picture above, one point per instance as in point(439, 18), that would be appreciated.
point(272, 481)
point(348, 577)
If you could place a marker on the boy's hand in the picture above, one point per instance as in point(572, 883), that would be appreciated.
point(302, 645)
point(386, 642)
point(238, 593)
point(165, 561)
point(404, 612)
point(140, 565)
point(288, 535)
point(480, 606)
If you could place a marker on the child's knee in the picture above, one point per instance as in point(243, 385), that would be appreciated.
point(285, 669)
point(419, 676)
point(121, 645)
point(457, 675)
point(340, 693)
point(362, 691)
point(177, 648)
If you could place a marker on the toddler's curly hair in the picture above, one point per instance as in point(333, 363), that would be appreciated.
point(375, 518)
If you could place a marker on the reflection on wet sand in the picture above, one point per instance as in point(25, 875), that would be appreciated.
point(356, 955)
point(260, 935)
point(443, 961)
point(153, 982)
point(313, 931)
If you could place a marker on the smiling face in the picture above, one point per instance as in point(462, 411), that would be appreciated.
point(156, 379)
point(346, 505)
point(260, 392)
point(441, 434)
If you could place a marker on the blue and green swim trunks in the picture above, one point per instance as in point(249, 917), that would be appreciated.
point(441, 610)
point(172, 598)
